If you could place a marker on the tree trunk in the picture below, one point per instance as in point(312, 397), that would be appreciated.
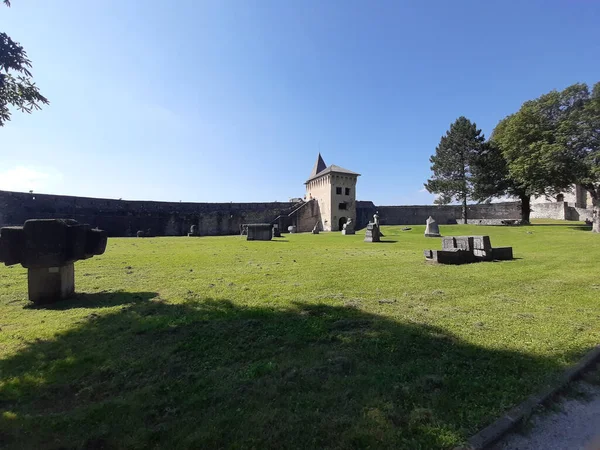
point(464, 210)
point(595, 193)
point(525, 208)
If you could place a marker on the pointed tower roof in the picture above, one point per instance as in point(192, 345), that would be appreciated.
point(318, 167)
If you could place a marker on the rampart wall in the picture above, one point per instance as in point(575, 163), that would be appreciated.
point(126, 217)
point(485, 214)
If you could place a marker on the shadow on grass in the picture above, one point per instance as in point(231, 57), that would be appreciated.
point(387, 241)
point(582, 228)
point(550, 225)
point(213, 374)
point(96, 300)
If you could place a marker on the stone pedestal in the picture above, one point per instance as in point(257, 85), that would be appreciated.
point(50, 284)
point(372, 233)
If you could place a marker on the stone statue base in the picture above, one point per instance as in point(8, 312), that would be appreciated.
point(50, 284)
point(372, 233)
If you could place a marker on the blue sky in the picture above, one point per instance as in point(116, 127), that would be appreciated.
point(231, 100)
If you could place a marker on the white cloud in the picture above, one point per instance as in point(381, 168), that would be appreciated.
point(24, 179)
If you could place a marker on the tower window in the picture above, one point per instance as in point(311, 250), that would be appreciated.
point(342, 205)
point(338, 190)
point(347, 191)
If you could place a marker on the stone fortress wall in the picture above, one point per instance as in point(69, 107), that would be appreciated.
point(126, 217)
point(481, 214)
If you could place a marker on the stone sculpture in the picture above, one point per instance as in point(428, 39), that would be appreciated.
point(432, 229)
point(348, 227)
point(193, 231)
point(467, 249)
point(372, 233)
point(276, 231)
point(315, 229)
point(47, 248)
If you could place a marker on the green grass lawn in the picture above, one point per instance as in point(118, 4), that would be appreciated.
point(308, 341)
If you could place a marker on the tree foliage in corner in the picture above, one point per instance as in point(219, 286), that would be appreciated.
point(553, 142)
point(17, 90)
point(579, 131)
point(451, 165)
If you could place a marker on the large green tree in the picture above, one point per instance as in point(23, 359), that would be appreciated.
point(452, 179)
point(16, 86)
point(491, 178)
point(552, 142)
point(579, 131)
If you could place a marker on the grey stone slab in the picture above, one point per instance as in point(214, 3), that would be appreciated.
point(259, 232)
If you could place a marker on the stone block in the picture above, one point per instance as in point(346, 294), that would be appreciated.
point(502, 253)
point(12, 243)
point(50, 243)
point(455, 256)
point(276, 232)
point(49, 284)
point(259, 232)
point(482, 247)
point(448, 243)
point(464, 243)
point(467, 249)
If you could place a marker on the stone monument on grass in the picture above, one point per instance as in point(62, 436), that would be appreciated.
point(194, 231)
point(47, 248)
point(315, 229)
point(276, 231)
point(259, 232)
point(348, 227)
point(432, 229)
point(467, 249)
point(372, 233)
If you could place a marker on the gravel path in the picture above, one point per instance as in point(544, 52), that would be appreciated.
point(574, 426)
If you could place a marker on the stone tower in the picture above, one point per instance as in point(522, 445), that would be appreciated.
point(334, 188)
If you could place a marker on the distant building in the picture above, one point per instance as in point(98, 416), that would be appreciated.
point(577, 197)
point(334, 189)
point(573, 204)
